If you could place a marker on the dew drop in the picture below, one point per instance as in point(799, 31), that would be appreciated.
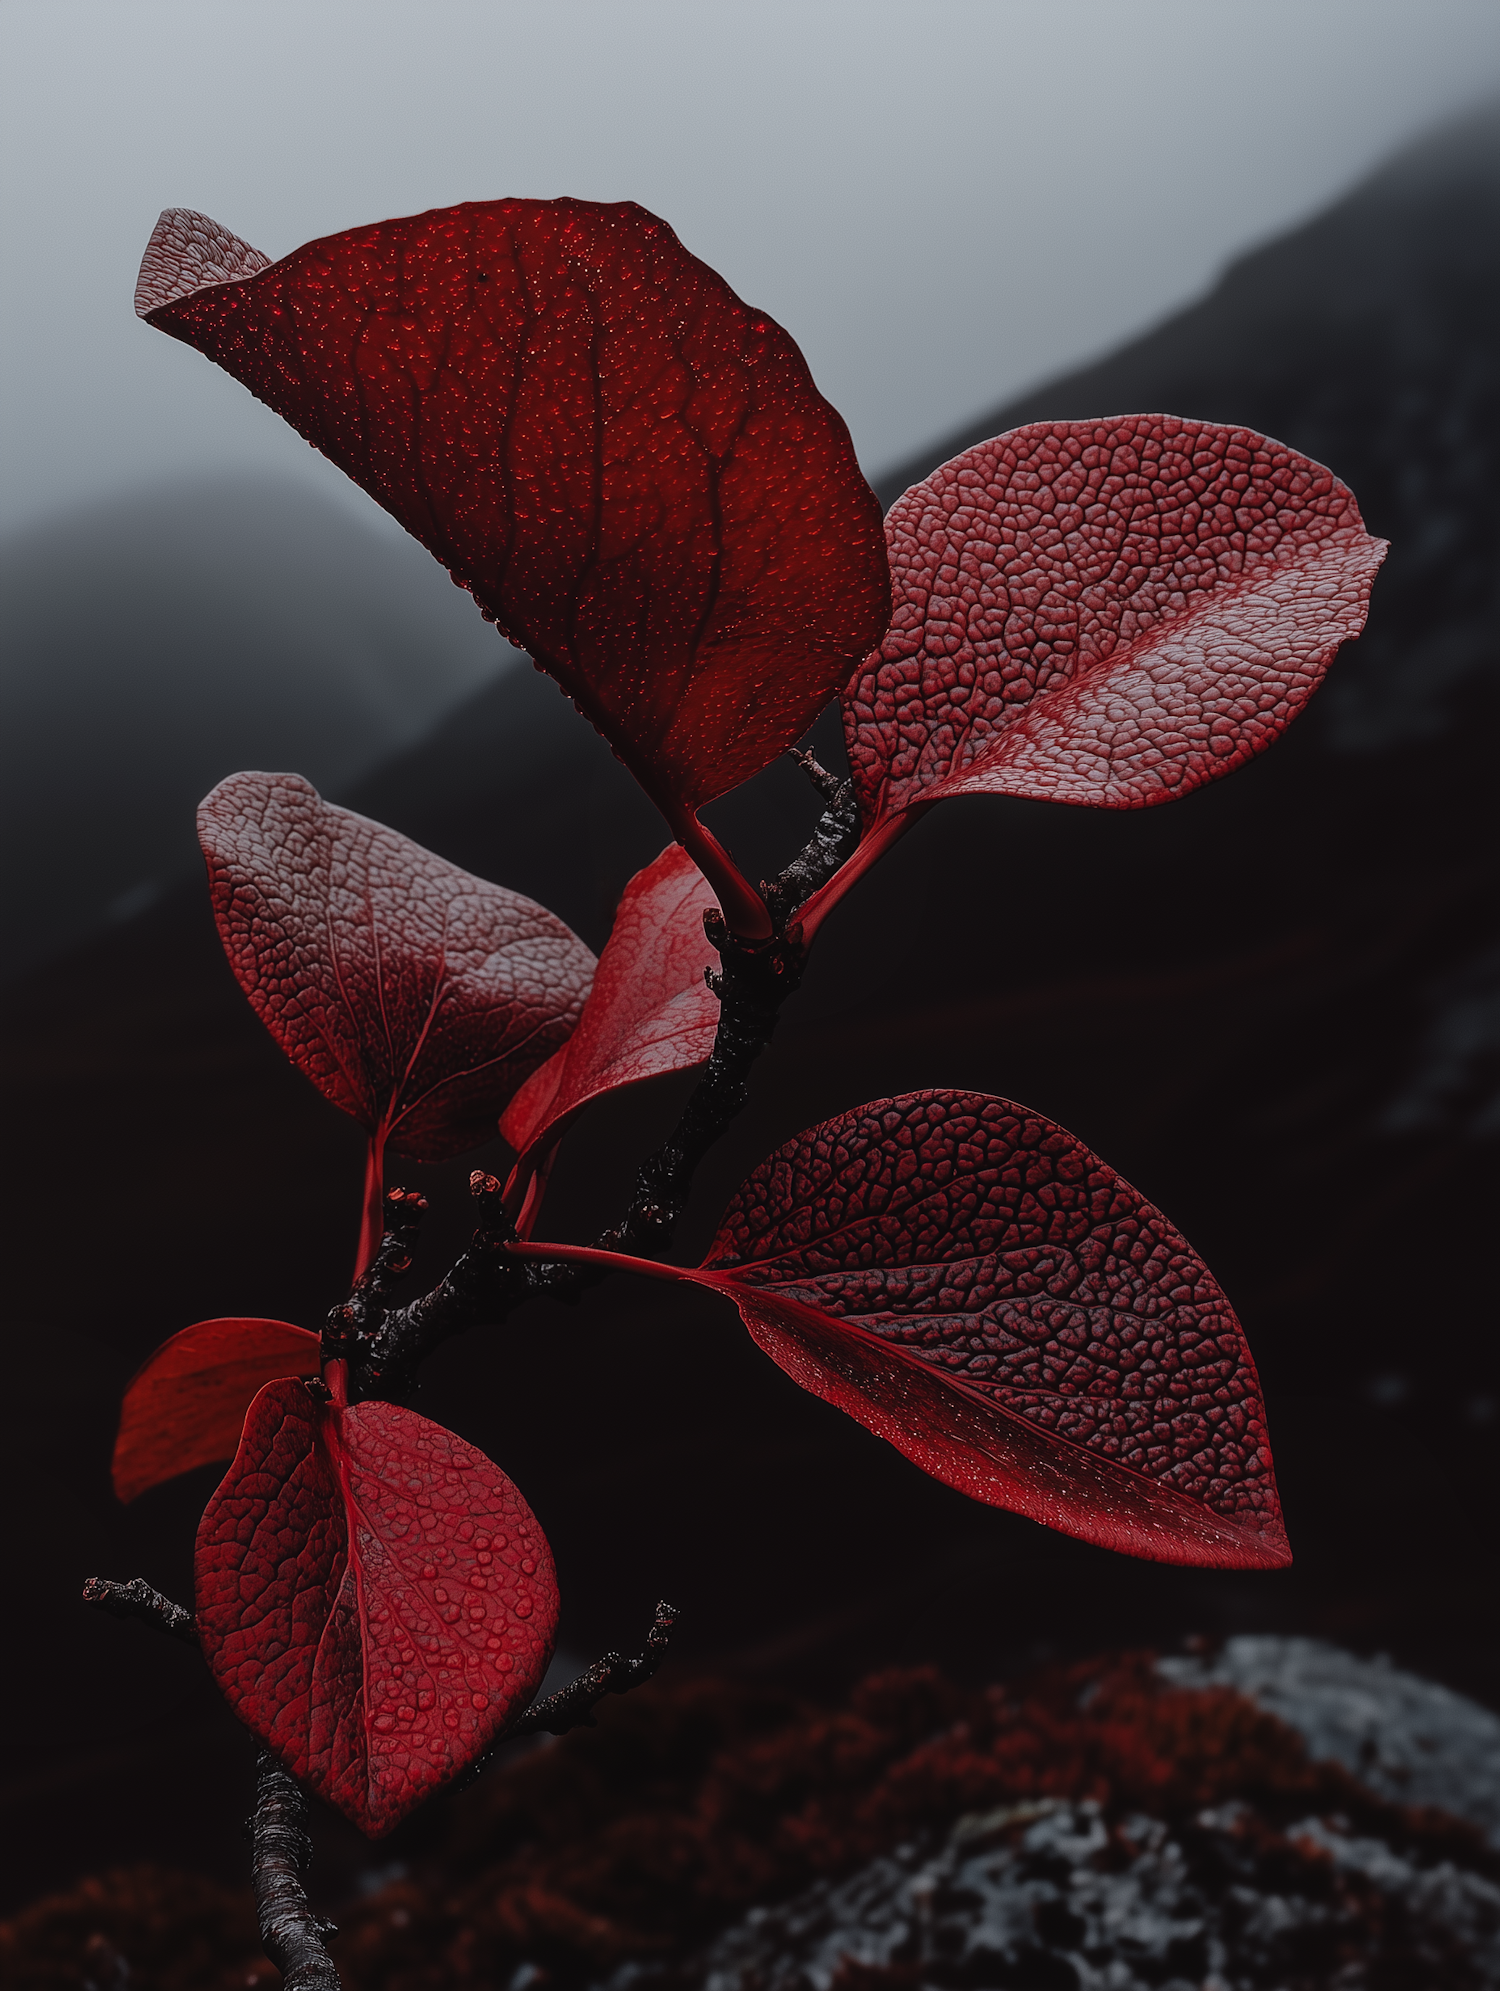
point(478, 1701)
point(528, 1567)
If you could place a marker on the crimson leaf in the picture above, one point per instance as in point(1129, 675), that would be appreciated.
point(630, 468)
point(374, 1597)
point(649, 1010)
point(974, 1285)
point(413, 995)
point(1108, 612)
point(185, 1406)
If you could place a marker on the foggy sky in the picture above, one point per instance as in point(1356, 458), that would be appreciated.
point(943, 200)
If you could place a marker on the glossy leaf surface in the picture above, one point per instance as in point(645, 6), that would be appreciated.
point(185, 1406)
point(630, 468)
point(413, 995)
point(969, 1281)
point(374, 1597)
point(1108, 612)
point(649, 1010)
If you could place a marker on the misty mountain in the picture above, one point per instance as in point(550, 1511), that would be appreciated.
point(1273, 1005)
point(155, 643)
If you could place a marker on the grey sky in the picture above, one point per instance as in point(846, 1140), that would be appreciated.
point(942, 200)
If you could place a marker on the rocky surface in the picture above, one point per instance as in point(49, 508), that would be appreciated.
point(1052, 1895)
point(1410, 1739)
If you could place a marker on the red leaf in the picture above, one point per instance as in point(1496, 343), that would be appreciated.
point(648, 1012)
point(975, 1286)
point(186, 1404)
point(413, 995)
point(374, 1598)
point(1108, 612)
point(970, 1282)
point(630, 468)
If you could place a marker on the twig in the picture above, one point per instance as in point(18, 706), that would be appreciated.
point(136, 1599)
point(752, 983)
point(572, 1706)
point(384, 1345)
point(292, 1934)
point(831, 844)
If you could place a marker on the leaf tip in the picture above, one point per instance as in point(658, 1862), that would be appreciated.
point(186, 253)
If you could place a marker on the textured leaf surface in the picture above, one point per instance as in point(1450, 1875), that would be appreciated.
point(413, 995)
point(630, 468)
point(649, 1010)
point(973, 1284)
point(1107, 612)
point(185, 1406)
point(374, 1597)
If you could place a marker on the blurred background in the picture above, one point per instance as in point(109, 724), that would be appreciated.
point(1275, 1006)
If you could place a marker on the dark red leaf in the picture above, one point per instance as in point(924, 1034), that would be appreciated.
point(648, 1012)
point(630, 468)
point(413, 995)
point(374, 1598)
point(1108, 612)
point(185, 1406)
point(970, 1282)
point(975, 1286)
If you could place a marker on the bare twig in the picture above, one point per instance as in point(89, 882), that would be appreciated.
point(136, 1599)
point(573, 1706)
point(830, 845)
point(292, 1934)
point(384, 1344)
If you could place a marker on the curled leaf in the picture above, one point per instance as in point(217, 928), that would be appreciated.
point(185, 1406)
point(649, 1010)
point(630, 468)
point(414, 995)
point(374, 1598)
point(1107, 612)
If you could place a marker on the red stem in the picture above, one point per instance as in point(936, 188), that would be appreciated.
point(590, 1254)
point(743, 907)
point(372, 1225)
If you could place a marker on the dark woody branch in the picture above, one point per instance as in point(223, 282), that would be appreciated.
point(826, 851)
point(292, 1934)
point(573, 1706)
point(384, 1345)
point(136, 1599)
